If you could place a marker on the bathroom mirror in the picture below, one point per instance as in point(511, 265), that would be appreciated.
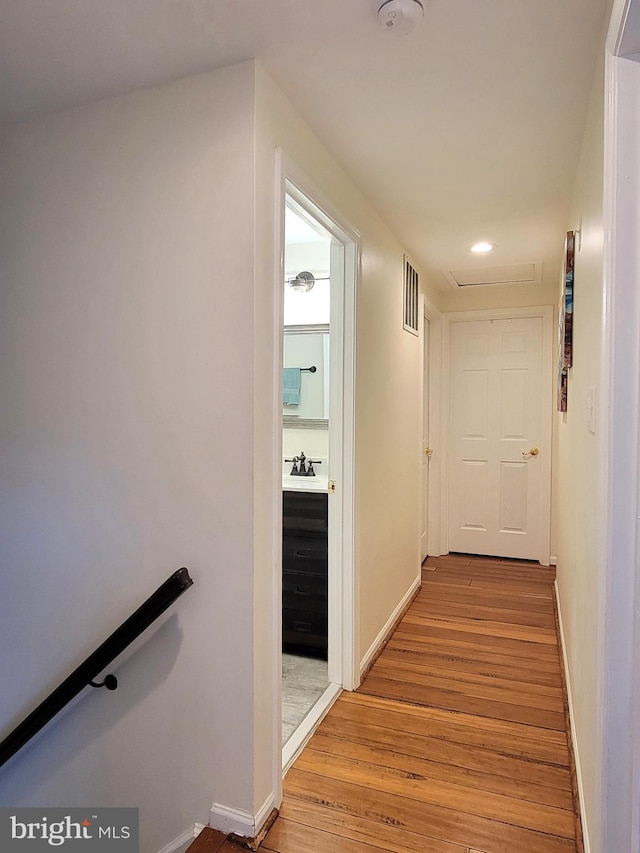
point(307, 347)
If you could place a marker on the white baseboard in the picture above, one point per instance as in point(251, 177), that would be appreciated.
point(574, 738)
point(240, 822)
point(553, 561)
point(182, 842)
point(263, 813)
point(379, 640)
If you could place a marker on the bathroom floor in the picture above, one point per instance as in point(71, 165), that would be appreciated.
point(304, 680)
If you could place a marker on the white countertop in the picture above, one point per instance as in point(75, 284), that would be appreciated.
point(319, 483)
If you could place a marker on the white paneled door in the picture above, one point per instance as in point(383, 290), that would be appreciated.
point(499, 444)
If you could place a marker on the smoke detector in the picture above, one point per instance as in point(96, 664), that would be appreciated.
point(400, 16)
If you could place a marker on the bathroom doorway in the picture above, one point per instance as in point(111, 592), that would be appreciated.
point(318, 590)
point(305, 475)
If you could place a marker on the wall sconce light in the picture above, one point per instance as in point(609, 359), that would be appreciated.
point(303, 282)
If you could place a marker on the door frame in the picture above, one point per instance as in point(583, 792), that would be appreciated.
point(426, 450)
point(617, 827)
point(429, 313)
point(344, 623)
point(546, 313)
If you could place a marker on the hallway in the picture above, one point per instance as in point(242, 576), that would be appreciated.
point(455, 742)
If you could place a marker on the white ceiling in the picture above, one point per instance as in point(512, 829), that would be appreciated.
point(468, 129)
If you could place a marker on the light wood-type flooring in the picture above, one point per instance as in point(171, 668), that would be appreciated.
point(455, 742)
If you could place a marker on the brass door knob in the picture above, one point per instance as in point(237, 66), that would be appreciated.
point(532, 451)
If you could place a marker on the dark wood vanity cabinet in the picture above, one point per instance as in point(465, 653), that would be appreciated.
point(304, 573)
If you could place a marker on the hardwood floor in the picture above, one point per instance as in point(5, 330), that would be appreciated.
point(455, 742)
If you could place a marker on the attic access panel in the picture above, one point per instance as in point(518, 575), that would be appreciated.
point(505, 274)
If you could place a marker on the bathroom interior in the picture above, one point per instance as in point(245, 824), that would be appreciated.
point(305, 476)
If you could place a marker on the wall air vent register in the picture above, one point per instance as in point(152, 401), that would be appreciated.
point(410, 301)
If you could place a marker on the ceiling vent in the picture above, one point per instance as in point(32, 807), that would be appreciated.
point(508, 274)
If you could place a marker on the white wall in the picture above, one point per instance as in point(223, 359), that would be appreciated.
point(126, 263)
point(314, 442)
point(314, 257)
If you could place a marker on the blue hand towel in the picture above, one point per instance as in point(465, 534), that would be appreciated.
point(291, 386)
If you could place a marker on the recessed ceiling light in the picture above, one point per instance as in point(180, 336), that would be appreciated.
point(482, 247)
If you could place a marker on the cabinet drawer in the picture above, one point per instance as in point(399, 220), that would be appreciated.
point(304, 592)
point(305, 512)
point(304, 554)
point(301, 628)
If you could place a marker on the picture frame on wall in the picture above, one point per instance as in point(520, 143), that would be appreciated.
point(562, 389)
point(565, 326)
point(567, 298)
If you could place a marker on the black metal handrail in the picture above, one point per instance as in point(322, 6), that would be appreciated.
point(96, 663)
